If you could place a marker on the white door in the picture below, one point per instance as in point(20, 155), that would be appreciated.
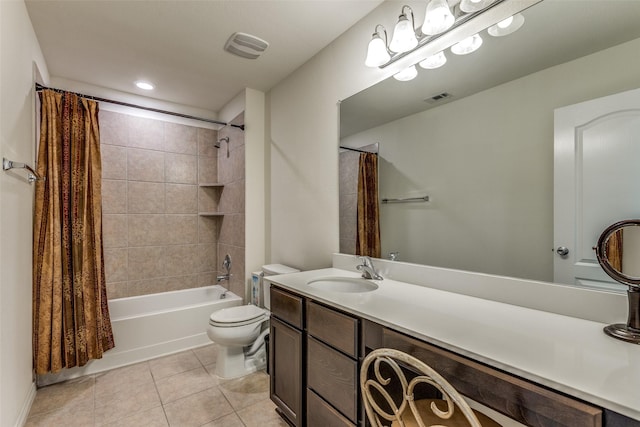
point(596, 181)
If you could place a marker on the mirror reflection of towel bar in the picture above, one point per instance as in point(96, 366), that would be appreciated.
point(32, 176)
point(407, 200)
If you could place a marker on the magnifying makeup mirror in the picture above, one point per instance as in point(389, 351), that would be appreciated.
point(618, 252)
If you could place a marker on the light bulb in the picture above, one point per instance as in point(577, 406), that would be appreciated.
point(433, 61)
point(404, 36)
point(438, 17)
point(469, 6)
point(144, 85)
point(407, 74)
point(377, 54)
point(506, 22)
point(507, 26)
point(468, 45)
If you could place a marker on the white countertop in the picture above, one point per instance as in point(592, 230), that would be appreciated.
point(568, 354)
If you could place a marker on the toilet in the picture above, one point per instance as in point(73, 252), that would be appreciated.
point(240, 331)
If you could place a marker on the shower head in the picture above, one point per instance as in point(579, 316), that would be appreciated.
point(225, 139)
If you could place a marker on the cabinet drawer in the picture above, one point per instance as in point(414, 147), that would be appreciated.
point(333, 376)
point(287, 307)
point(320, 413)
point(517, 398)
point(336, 329)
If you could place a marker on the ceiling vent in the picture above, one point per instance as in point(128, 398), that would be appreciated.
point(245, 45)
point(438, 98)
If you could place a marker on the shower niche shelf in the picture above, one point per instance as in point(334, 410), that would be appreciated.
point(212, 191)
point(211, 214)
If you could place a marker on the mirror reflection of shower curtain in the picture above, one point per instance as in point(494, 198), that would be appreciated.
point(614, 250)
point(368, 224)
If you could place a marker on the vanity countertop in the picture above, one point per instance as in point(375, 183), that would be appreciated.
point(567, 354)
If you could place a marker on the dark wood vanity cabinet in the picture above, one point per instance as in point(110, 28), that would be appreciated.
point(315, 354)
point(286, 349)
point(332, 367)
point(313, 362)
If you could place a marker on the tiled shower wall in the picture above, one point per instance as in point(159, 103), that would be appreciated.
point(231, 173)
point(154, 239)
point(348, 188)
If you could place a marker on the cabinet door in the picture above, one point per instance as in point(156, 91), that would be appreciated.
point(285, 367)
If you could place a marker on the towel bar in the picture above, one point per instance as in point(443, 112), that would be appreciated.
point(32, 176)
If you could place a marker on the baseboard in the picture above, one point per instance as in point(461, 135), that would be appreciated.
point(26, 406)
point(113, 359)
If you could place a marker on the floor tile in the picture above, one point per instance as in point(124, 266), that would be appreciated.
point(246, 391)
point(207, 354)
point(116, 380)
point(231, 420)
point(179, 390)
point(150, 418)
point(184, 384)
point(65, 415)
point(174, 364)
point(73, 393)
point(125, 403)
point(261, 414)
point(197, 409)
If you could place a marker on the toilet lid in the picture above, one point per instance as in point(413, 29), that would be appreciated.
point(241, 314)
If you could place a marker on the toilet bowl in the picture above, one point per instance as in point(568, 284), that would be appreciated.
point(240, 332)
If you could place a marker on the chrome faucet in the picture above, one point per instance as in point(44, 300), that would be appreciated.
point(227, 276)
point(367, 268)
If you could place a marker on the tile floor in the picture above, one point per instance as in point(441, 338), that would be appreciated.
point(178, 390)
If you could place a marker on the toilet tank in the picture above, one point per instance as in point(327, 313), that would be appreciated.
point(272, 270)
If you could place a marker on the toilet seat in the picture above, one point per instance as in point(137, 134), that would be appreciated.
point(238, 316)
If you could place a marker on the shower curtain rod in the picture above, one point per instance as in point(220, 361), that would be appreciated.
point(39, 87)
point(356, 150)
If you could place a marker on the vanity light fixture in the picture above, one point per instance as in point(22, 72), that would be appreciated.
point(377, 52)
point(407, 74)
point(469, 6)
point(507, 26)
point(468, 45)
point(404, 35)
point(144, 85)
point(434, 61)
point(438, 17)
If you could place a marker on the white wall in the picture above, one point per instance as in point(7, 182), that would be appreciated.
point(19, 50)
point(491, 179)
point(303, 113)
point(255, 182)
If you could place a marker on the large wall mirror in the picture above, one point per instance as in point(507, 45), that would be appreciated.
point(484, 154)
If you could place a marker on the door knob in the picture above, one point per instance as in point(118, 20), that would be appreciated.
point(562, 251)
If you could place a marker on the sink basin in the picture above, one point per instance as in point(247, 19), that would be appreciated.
point(343, 284)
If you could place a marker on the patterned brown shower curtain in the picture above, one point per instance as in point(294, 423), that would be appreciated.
point(71, 322)
point(614, 250)
point(368, 225)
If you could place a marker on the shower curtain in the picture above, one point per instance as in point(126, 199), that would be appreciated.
point(368, 223)
point(71, 323)
point(614, 250)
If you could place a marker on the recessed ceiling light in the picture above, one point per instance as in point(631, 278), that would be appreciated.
point(144, 85)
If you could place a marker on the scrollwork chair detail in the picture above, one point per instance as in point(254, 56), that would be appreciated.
point(410, 412)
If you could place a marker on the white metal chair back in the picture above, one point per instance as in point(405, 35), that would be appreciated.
point(450, 396)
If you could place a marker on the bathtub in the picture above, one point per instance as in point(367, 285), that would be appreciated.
point(149, 326)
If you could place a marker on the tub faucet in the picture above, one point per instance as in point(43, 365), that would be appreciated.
point(367, 268)
point(227, 276)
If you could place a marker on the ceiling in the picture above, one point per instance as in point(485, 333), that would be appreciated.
point(554, 32)
point(178, 44)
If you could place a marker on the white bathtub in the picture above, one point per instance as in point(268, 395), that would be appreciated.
point(149, 326)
